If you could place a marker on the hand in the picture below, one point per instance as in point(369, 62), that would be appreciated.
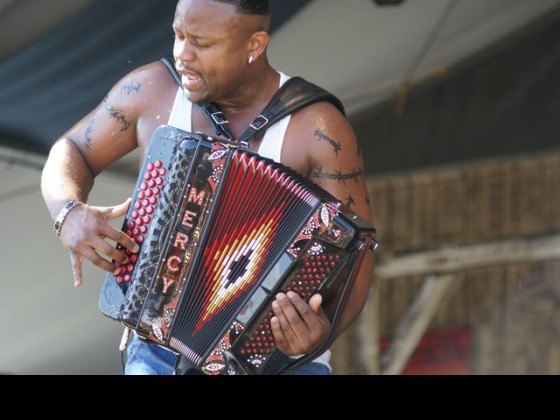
point(83, 235)
point(298, 327)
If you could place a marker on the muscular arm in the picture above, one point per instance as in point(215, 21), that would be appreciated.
point(103, 136)
point(321, 145)
point(100, 138)
point(336, 164)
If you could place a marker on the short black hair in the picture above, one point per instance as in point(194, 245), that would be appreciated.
point(249, 7)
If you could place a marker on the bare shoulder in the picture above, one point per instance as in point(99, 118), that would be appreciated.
point(322, 145)
point(322, 110)
point(143, 84)
point(324, 136)
point(126, 117)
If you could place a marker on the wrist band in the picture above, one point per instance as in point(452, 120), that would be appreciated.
point(62, 215)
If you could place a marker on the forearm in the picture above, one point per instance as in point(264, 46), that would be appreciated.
point(66, 176)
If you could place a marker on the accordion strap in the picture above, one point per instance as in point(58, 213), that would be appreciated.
point(172, 70)
point(296, 93)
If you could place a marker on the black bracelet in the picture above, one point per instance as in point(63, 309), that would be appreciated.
point(62, 215)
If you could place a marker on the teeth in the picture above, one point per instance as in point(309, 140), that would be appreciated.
point(191, 80)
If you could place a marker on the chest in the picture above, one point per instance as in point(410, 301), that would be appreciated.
point(281, 142)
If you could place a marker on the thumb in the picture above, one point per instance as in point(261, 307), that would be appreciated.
point(315, 302)
point(118, 210)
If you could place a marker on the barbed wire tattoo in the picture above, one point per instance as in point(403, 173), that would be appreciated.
point(117, 115)
point(336, 176)
point(89, 137)
point(337, 146)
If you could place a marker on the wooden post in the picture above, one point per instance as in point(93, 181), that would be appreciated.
point(452, 259)
point(369, 331)
point(415, 323)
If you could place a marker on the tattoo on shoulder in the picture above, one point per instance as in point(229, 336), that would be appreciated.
point(338, 176)
point(117, 115)
point(89, 131)
point(322, 136)
point(131, 87)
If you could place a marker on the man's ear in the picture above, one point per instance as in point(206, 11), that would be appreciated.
point(258, 43)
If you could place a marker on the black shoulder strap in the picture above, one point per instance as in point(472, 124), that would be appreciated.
point(212, 112)
point(217, 118)
point(294, 94)
point(172, 70)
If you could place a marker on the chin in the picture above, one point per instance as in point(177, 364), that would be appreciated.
point(195, 97)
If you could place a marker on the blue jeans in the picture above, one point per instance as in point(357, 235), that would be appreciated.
point(146, 358)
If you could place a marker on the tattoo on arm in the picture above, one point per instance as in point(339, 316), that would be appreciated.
point(132, 87)
point(117, 115)
point(322, 136)
point(337, 176)
point(349, 201)
point(89, 131)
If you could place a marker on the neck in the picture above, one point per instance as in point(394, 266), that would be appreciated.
point(257, 88)
point(253, 97)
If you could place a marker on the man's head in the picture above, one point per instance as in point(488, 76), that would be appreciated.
point(249, 7)
point(257, 8)
point(220, 45)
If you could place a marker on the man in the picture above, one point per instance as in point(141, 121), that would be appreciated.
point(220, 53)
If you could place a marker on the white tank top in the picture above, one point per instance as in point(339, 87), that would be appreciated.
point(271, 144)
point(270, 147)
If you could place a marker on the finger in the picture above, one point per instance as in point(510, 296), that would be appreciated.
point(121, 238)
point(314, 323)
point(282, 325)
point(300, 305)
point(111, 252)
point(287, 314)
point(297, 312)
point(279, 338)
point(117, 235)
point(99, 242)
point(280, 320)
point(279, 324)
point(76, 264)
point(90, 254)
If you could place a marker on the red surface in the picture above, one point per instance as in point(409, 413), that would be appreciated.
point(440, 352)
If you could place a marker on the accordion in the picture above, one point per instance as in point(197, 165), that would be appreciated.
point(221, 231)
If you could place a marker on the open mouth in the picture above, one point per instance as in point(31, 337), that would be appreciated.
point(191, 80)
